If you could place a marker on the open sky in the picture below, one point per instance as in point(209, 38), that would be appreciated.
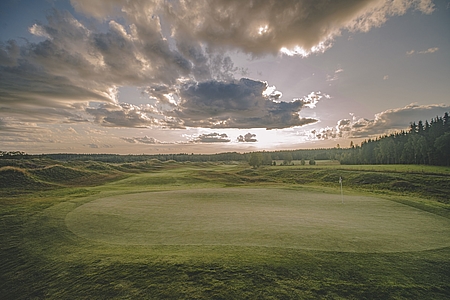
point(197, 76)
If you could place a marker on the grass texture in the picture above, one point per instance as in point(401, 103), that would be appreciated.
point(201, 231)
point(259, 217)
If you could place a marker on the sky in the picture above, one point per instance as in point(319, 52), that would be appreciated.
point(197, 76)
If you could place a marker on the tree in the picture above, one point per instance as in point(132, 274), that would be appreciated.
point(312, 161)
point(287, 159)
point(420, 127)
point(266, 159)
point(442, 145)
point(424, 143)
point(446, 122)
point(413, 128)
point(255, 159)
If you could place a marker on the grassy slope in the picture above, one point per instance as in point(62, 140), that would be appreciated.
point(41, 258)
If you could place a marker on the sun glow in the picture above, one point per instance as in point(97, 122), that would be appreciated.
point(297, 50)
point(263, 29)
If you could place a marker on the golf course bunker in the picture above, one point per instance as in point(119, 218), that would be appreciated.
point(260, 217)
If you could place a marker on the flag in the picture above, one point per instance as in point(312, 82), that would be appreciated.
point(340, 179)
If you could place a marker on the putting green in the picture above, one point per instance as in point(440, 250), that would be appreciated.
point(260, 217)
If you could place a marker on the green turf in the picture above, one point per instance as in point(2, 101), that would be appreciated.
point(260, 217)
point(53, 245)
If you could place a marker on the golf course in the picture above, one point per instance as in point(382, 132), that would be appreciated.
point(259, 217)
point(170, 230)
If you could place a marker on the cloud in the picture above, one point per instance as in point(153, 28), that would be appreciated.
point(52, 80)
point(243, 103)
point(335, 75)
point(72, 130)
point(295, 27)
point(15, 132)
point(256, 27)
point(429, 50)
point(97, 146)
point(98, 9)
point(239, 104)
point(313, 98)
point(247, 138)
point(12, 125)
point(38, 30)
point(383, 123)
point(9, 53)
point(202, 138)
point(125, 115)
point(212, 138)
point(385, 77)
point(93, 146)
point(75, 66)
point(143, 140)
point(177, 52)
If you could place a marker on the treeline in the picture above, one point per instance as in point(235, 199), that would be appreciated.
point(180, 157)
point(13, 154)
point(425, 143)
point(267, 157)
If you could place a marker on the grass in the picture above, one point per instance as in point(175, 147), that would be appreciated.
point(259, 217)
point(42, 257)
point(334, 164)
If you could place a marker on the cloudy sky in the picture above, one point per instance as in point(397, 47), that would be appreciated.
point(193, 76)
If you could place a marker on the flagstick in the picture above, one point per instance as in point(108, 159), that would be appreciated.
point(342, 193)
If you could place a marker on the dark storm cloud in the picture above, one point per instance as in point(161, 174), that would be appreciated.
point(213, 104)
point(237, 104)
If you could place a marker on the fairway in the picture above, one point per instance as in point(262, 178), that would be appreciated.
point(260, 217)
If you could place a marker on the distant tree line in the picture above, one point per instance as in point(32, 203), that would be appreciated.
point(258, 158)
point(425, 143)
point(13, 154)
point(117, 158)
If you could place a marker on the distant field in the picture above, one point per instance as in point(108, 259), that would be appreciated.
point(400, 168)
point(334, 164)
point(318, 162)
point(259, 217)
point(167, 230)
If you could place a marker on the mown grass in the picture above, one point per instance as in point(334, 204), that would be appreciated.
point(42, 259)
point(266, 217)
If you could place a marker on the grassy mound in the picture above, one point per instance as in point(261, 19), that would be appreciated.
point(18, 179)
point(61, 174)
